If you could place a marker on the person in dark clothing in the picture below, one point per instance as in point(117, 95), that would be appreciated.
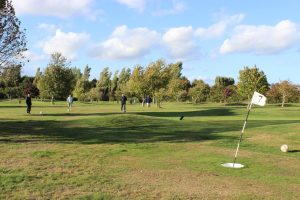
point(148, 100)
point(123, 103)
point(28, 103)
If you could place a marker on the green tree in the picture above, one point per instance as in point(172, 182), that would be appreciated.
point(177, 88)
point(122, 82)
point(160, 81)
point(104, 84)
point(175, 84)
point(230, 94)
point(93, 83)
point(161, 95)
point(77, 75)
point(250, 80)
point(199, 91)
point(86, 72)
point(57, 80)
point(216, 93)
point(28, 86)
point(37, 76)
point(155, 79)
point(82, 85)
point(114, 86)
point(283, 92)
point(12, 37)
point(94, 94)
point(224, 81)
point(136, 84)
point(222, 90)
point(11, 78)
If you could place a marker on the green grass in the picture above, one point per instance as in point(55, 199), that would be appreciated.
point(97, 152)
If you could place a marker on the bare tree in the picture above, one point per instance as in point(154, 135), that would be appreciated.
point(12, 37)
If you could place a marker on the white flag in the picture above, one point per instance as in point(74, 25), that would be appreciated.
point(258, 99)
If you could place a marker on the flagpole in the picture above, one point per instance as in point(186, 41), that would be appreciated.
point(257, 99)
point(242, 132)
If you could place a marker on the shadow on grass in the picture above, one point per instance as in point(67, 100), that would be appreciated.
point(24, 106)
point(197, 113)
point(128, 128)
point(293, 151)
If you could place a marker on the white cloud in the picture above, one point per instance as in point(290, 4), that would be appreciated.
point(33, 56)
point(65, 43)
point(125, 43)
point(177, 7)
point(135, 4)
point(180, 43)
point(48, 27)
point(59, 8)
point(263, 39)
point(218, 29)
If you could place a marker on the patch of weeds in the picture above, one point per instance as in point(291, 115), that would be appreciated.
point(9, 179)
point(117, 151)
point(101, 196)
point(42, 154)
point(145, 146)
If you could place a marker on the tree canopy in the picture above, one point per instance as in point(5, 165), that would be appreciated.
point(250, 80)
point(283, 92)
point(12, 37)
point(58, 78)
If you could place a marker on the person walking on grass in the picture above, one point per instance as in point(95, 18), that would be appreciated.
point(148, 100)
point(28, 103)
point(123, 103)
point(70, 102)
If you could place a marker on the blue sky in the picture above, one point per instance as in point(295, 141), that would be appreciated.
point(211, 37)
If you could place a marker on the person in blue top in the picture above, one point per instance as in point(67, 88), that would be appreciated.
point(70, 102)
point(123, 103)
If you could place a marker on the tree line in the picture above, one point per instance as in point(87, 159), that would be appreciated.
point(160, 80)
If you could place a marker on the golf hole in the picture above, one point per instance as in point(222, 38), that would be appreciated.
point(233, 165)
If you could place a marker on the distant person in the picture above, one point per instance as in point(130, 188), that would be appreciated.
point(28, 103)
point(52, 100)
point(123, 103)
point(148, 101)
point(70, 102)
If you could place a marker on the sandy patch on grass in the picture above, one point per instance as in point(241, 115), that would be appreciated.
point(169, 184)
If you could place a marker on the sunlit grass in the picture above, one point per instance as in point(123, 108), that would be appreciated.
point(97, 152)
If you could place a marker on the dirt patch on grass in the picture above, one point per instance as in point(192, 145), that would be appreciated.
point(172, 184)
point(267, 140)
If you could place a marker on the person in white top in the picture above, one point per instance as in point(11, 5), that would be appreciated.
point(70, 102)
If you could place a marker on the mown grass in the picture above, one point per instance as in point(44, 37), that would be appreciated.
point(97, 152)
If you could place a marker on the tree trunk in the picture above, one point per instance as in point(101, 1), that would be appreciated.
point(283, 100)
point(143, 102)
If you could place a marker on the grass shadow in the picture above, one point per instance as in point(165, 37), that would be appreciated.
point(197, 113)
point(128, 128)
point(293, 151)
